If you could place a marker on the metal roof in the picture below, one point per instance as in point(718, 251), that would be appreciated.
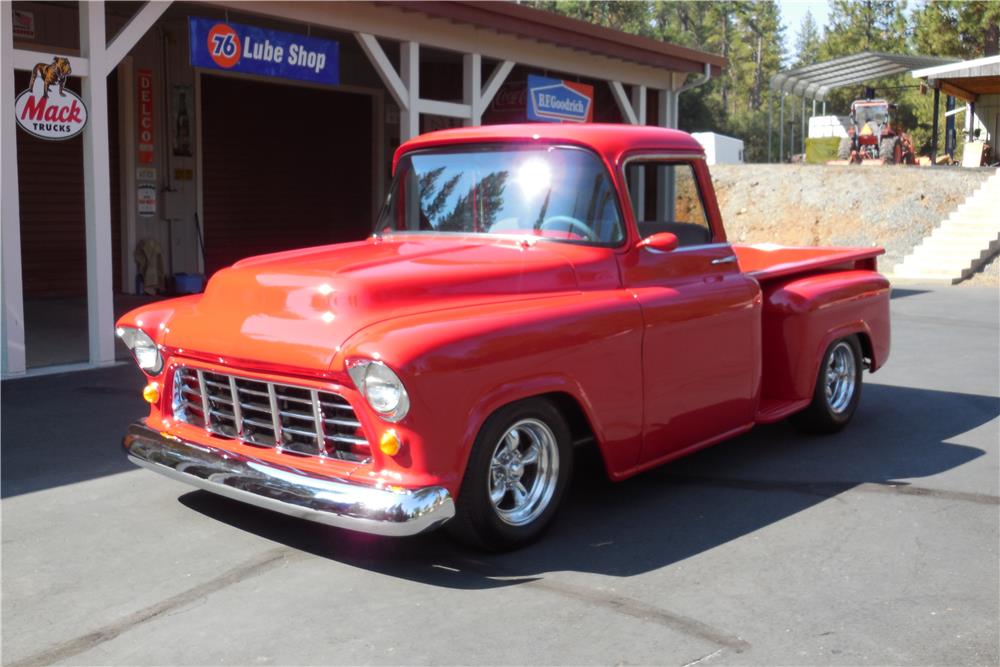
point(817, 80)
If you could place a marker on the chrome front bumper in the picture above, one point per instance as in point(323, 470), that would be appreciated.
point(335, 502)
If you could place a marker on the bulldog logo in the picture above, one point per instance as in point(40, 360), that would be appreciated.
point(55, 73)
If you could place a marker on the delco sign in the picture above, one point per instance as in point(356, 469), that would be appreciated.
point(558, 101)
point(250, 50)
point(47, 109)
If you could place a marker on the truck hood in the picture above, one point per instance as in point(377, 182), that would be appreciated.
point(295, 309)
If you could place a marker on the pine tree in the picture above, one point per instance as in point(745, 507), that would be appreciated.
point(807, 46)
point(865, 25)
point(961, 29)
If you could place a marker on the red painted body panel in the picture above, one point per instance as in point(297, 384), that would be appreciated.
point(664, 353)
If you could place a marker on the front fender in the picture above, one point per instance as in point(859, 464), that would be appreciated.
point(461, 365)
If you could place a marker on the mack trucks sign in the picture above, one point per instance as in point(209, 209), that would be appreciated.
point(250, 50)
point(47, 109)
point(558, 101)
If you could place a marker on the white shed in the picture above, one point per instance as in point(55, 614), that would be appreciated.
point(720, 149)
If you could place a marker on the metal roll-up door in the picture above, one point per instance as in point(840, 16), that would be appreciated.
point(282, 167)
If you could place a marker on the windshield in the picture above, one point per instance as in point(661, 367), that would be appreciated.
point(553, 192)
point(876, 114)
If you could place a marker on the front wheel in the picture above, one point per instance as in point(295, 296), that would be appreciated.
point(838, 389)
point(518, 470)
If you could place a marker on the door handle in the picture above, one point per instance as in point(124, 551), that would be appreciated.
point(725, 260)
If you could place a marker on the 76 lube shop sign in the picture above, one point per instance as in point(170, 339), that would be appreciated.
point(251, 50)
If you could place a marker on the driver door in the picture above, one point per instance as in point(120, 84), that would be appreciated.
point(701, 341)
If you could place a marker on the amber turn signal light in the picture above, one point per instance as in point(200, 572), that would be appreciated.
point(151, 392)
point(389, 443)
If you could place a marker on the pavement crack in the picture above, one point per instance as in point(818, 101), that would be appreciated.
point(630, 607)
point(72, 647)
point(703, 658)
point(830, 489)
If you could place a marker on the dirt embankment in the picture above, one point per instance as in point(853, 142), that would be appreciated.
point(893, 207)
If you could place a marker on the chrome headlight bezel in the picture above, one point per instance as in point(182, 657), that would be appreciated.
point(381, 387)
point(144, 349)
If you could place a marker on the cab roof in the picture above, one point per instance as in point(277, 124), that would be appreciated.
point(607, 139)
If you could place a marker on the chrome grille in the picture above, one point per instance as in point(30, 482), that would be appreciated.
point(269, 414)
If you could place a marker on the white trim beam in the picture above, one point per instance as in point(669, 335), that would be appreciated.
point(472, 87)
point(12, 317)
point(409, 66)
point(97, 189)
point(376, 54)
point(441, 108)
point(133, 31)
point(623, 102)
point(26, 60)
point(496, 80)
point(639, 104)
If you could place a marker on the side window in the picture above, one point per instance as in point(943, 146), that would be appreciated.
point(665, 198)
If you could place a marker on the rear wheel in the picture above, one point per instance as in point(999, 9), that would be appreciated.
point(844, 149)
point(518, 470)
point(888, 150)
point(838, 389)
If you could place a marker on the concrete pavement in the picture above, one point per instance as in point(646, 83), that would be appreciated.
point(878, 545)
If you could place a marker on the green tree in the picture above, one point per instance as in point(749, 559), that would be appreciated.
point(865, 25)
point(962, 29)
point(809, 42)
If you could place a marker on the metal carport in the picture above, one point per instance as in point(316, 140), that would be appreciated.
point(817, 80)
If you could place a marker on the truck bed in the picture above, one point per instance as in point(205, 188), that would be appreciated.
point(765, 261)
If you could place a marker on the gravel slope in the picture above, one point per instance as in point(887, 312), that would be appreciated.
point(892, 207)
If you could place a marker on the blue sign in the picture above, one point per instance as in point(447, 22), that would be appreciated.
point(558, 101)
point(250, 50)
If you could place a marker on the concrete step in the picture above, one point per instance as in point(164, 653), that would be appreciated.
point(962, 255)
point(970, 224)
point(953, 270)
point(967, 237)
point(948, 233)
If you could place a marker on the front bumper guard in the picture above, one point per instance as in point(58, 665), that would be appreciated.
point(334, 502)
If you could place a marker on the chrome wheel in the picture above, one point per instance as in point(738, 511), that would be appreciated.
point(841, 377)
point(524, 470)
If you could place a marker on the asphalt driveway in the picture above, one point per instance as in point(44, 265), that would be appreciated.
point(878, 545)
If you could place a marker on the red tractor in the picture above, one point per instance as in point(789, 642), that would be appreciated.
point(872, 139)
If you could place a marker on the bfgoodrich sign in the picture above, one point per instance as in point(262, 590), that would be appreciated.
point(558, 101)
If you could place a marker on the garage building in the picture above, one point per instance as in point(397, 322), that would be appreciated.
point(203, 143)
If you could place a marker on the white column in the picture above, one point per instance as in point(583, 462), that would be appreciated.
point(639, 188)
point(12, 320)
point(97, 187)
point(409, 66)
point(472, 75)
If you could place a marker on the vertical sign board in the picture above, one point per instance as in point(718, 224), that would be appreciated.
point(559, 101)
point(144, 90)
point(250, 50)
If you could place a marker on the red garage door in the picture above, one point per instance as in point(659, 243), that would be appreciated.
point(283, 167)
point(50, 189)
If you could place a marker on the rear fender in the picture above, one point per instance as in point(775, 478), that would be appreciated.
point(804, 315)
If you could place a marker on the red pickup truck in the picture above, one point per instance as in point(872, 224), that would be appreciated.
point(528, 289)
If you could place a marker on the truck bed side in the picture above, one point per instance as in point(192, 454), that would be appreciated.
point(812, 297)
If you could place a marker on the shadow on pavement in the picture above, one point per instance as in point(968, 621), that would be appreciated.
point(676, 511)
point(62, 429)
point(899, 292)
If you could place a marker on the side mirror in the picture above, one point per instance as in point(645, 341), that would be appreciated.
point(662, 242)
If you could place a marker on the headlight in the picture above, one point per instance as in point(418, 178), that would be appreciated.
point(382, 388)
point(143, 348)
